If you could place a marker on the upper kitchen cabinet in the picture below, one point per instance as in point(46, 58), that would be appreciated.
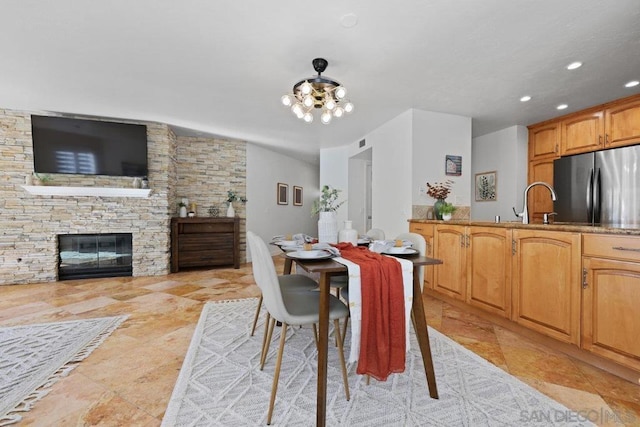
point(622, 123)
point(582, 133)
point(544, 140)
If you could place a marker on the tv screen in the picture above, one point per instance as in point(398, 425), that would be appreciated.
point(88, 147)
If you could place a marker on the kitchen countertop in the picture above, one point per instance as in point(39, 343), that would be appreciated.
point(558, 226)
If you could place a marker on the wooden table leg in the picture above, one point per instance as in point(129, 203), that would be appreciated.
point(287, 265)
point(423, 335)
point(323, 345)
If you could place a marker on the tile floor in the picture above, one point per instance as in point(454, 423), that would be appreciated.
point(128, 380)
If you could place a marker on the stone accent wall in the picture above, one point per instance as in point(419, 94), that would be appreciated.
point(206, 169)
point(29, 224)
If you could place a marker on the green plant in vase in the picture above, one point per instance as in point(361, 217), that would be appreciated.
point(446, 210)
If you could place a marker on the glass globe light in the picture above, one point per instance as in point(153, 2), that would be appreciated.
point(348, 107)
point(329, 104)
point(308, 117)
point(297, 110)
point(286, 100)
point(308, 101)
point(341, 92)
point(325, 118)
point(306, 88)
point(338, 112)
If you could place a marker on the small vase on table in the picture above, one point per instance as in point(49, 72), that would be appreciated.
point(230, 211)
point(348, 234)
point(327, 227)
point(437, 206)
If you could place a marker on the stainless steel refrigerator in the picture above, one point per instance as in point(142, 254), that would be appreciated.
point(599, 188)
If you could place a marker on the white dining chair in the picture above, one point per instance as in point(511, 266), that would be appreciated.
point(418, 243)
point(290, 308)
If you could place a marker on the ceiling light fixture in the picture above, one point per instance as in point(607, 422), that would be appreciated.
point(574, 65)
point(318, 92)
point(562, 106)
point(525, 98)
point(632, 83)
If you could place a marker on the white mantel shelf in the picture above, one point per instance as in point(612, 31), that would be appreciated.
point(47, 190)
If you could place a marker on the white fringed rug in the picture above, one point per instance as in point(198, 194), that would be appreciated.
point(220, 384)
point(33, 357)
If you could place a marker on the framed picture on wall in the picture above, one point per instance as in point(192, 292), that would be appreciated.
point(453, 165)
point(281, 194)
point(297, 195)
point(486, 186)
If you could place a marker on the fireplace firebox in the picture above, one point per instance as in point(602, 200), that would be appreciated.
point(82, 256)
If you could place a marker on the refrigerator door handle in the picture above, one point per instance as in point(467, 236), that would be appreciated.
point(590, 197)
point(596, 199)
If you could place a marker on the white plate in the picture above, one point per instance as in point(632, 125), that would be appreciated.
point(314, 254)
point(400, 251)
point(364, 241)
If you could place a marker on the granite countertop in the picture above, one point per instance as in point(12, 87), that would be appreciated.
point(558, 226)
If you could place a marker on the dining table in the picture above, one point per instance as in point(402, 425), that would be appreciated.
point(326, 269)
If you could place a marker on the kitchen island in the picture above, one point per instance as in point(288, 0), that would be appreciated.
point(575, 283)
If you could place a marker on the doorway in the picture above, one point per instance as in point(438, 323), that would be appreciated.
point(360, 191)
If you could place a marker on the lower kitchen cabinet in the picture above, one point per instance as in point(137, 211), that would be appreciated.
point(546, 282)
point(451, 248)
point(489, 269)
point(611, 296)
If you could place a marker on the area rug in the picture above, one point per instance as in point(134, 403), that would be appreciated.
point(33, 357)
point(220, 384)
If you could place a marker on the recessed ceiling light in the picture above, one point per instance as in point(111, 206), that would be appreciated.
point(632, 83)
point(574, 65)
point(349, 20)
point(525, 98)
point(562, 106)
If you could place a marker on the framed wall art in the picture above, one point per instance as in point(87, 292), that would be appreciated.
point(486, 186)
point(297, 195)
point(281, 194)
point(453, 165)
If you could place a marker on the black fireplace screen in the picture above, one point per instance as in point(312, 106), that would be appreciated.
point(94, 255)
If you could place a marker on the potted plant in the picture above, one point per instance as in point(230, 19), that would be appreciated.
point(439, 191)
point(447, 210)
point(182, 209)
point(326, 207)
point(233, 197)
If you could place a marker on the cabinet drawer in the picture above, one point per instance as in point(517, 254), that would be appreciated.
point(424, 229)
point(198, 242)
point(212, 227)
point(606, 246)
point(202, 258)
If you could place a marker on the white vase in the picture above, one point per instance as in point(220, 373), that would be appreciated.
point(230, 211)
point(348, 234)
point(183, 211)
point(446, 216)
point(328, 228)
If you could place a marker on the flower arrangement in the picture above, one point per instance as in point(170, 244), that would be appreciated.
point(233, 197)
point(328, 201)
point(439, 190)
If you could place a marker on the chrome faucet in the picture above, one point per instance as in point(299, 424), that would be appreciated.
point(525, 211)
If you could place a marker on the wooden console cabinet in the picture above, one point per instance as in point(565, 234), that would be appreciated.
point(204, 242)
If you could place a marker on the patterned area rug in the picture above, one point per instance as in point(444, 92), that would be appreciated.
point(32, 357)
point(220, 384)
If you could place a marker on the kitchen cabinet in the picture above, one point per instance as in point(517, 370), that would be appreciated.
point(489, 269)
point(546, 282)
point(467, 273)
point(204, 242)
point(426, 231)
point(611, 297)
point(451, 248)
point(622, 123)
point(582, 133)
point(540, 201)
point(544, 140)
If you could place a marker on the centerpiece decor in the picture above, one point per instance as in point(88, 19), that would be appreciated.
point(326, 207)
point(439, 191)
point(233, 197)
point(447, 210)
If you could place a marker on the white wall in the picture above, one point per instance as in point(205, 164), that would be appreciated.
point(434, 136)
point(504, 151)
point(334, 171)
point(407, 151)
point(265, 217)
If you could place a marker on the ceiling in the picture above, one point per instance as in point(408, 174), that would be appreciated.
point(219, 67)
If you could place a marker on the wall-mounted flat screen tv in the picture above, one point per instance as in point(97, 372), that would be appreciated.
point(88, 147)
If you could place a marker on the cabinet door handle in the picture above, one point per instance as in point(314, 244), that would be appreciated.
point(513, 247)
point(622, 248)
point(606, 139)
point(462, 240)
point(468, 240)
point(599, 139)
point(585, 284)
